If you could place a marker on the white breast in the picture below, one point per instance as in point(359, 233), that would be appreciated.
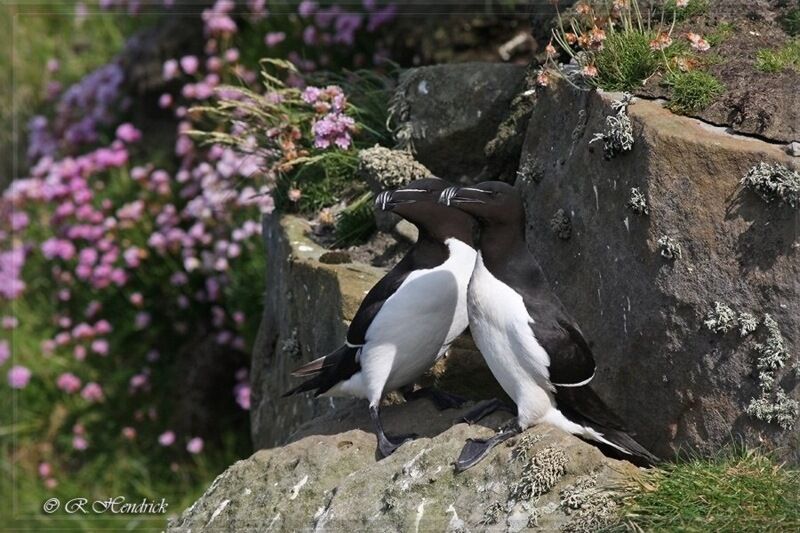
point(500, 326)
point(417, 323)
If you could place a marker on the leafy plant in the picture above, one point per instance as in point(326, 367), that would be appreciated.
point(692, 91)
point(356, 222)
point(686, 10)
point(791, 22)
point(781, 59)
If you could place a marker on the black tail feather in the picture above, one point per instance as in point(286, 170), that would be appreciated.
point(327, 371)
point(583, 406)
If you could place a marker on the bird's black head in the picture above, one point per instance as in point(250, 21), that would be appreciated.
point(493, 203)
point(418, 203)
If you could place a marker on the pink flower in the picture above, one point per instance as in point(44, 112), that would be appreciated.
point(167, 438)
point(80, 352)
point(190, 64)
point(53, 65)
point(170, 69)
point(274, 38)
point(50, 483)
point(80, 443)
point(543, 78)
point(92, 392)
point(19, 220)
point(45, 470)
point(590, 71)
point(10, 322)
point(242, 394)
point(129, 433)
point(100, 347)
point(18, 377)
point(5, 351)
point(195, 445)
point(68, 382)
point(232, 55)
point(165, 100)
point(137, 299)
point(128, 133)
point(82, 331)
point(698, 43)
point(102, 327)
point(138, 381)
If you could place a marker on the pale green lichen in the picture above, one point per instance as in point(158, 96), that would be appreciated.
point(539, 474)
point(591, 508)
point(772, 354)
point(720, 319)
point(670, 248)
point(492, 513)
point(522, 451)
point(638, 203)
point(747, 323)
point(618, 134)
point(561, 225)
point(774, 182)
point(389, 168)
point(530, 171)
point(780, 409)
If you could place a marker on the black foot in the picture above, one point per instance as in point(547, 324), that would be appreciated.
point(484, 409)
point(441, 399)
point(389, 444)
point(476, 449)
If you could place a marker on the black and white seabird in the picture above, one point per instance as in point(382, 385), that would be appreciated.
point(532, 345)
point(409, 318)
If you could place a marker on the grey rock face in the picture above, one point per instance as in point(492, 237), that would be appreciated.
point(448, 113)
point(673, 380)
point(328, 479)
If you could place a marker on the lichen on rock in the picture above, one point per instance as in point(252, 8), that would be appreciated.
point(670, 248)
point(561, 225)
point(618, 134)
point(638, 202)
point(539, 474)
point(774, 183)
point(721, 318)
point(387, 168)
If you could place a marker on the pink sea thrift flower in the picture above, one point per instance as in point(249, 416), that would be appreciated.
point(167, 438)
point(129, 433)
point(165, 100)
point(697, 41)
point(100, 347)
point(10, 322)
point(142, 320)
point(68, 382)
point(50, 483)
point(190, 64)
point(80, 443)
point(45, 470)
point(18, 377)
point(128, 133)
point(195, 445)
point(274, 38)
point(170, 69)
point(92, 392)
point(242, 394)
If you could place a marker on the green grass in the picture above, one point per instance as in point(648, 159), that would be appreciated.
point(737, 491)
point(626, 60)
point(791, 22)
point(693, 9)
point(692, 91)
point(721, 33)
point(781, 59)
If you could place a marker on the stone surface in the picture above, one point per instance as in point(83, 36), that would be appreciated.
point(328, 479)
point(672, 379)
point(448, 113)
point(307, 307)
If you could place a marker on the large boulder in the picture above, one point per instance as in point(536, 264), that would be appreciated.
point(328, 479)
point(448, 113)
point(676, 382)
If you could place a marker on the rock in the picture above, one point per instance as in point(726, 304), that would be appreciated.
point(382, 168)
point(307, 307)
point(448, 113)
point(407, 231)
point(675, 382)
point(793, 149)
point(328, 479)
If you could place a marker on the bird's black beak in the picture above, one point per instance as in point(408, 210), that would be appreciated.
point(453, 196)
point(388, 200)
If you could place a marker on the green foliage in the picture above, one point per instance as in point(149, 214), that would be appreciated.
point(692, 91)
point(791, 22)
point(626, 60)
point(356, 222)
point(693, 9)
point(738, 490)
point(781, 59)
point(721, 33)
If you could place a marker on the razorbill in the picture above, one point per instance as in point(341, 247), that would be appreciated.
point(532, 345)
point(409, 318)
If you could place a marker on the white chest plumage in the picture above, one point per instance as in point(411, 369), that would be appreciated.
point(500, 326)
point(415, 326)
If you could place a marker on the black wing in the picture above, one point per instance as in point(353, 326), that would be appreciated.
point(571, 359)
